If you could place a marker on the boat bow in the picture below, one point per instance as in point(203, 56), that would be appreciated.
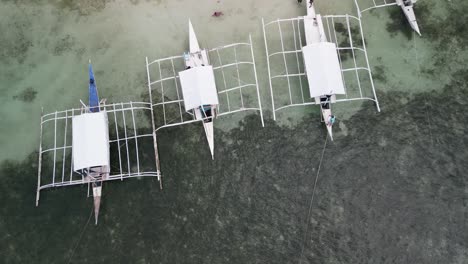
point(193, 41)
point(209, 131)
point(407, 7)
point(93, 93)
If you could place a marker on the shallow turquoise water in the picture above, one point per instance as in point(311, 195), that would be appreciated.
point(392, 186)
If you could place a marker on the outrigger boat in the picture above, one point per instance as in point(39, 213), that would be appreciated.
point(86, 159)
point(196, 93)
point(198, 87)
point(322, 66)
point(96, 174)
point(92, 120)
point(407, 7)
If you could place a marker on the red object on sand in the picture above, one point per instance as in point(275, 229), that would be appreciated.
point(217, 14)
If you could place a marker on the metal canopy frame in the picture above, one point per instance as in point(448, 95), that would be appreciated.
point(296, 51)
point(57, 126)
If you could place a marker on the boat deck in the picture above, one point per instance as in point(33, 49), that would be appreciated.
point(196, 59)
point(311, 29)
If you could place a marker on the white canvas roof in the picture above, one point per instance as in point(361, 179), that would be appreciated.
point(198, 87)
point(90, 140)
point(323, 69)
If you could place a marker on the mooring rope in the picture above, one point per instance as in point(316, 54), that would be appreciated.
point(426, 111)
point(312, 199)
point(81, 235)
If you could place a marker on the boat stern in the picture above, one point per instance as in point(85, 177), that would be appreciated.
point(411, 17)
point(415, 27)
point(327, 114)
point(209, 130)
point(97, 191)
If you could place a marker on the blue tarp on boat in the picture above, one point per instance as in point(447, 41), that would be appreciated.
point(93, 93)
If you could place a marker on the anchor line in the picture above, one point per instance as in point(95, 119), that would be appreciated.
point(425, 95)
point(312, 199)
point(81, 235)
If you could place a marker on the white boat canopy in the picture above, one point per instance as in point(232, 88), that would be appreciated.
point(90, 140)
point(323, 69)
point(198, 87)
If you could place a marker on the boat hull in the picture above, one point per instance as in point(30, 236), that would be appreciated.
point(97, 175)
point(208, 126)
point(193, 41)
point(199, 58)
point(326, 114)
point(209, 131)
point(97, 192)
point(409, 14)
point(314, 33)
point(313, 27)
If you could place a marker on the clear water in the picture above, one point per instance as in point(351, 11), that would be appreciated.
point(392, 187)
